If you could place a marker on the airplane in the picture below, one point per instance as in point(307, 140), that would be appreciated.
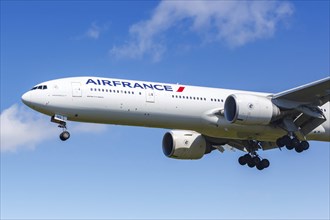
point(202, 119)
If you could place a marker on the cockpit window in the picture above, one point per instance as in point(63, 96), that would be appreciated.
point(39, 87)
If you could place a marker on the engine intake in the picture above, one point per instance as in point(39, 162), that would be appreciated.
point(185, 145)
point(250, 109)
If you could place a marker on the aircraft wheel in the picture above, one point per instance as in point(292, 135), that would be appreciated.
point(244, 159)
point(299, 148)
point(286, 140)
point(241, 160)
point(305, 145)
point(265, 163)
point(251, 163)
point(256, 160)
point(289, 146)
point(295, 142)
point(65, 135)
point(259, 166)
point(280, 142)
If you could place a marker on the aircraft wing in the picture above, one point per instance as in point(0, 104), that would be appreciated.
point(302, 105)
point(316, 93)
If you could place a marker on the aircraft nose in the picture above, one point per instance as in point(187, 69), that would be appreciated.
point(26, 98)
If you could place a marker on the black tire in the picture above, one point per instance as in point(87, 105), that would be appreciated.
point(259, 166)
point(286, 140)
point(65, 135)
point(242, 160)
point(299, 149)
point(264, 163)
point(251, 163)
point(295, 142)
point(280, 142)
point(289, 147)
point(256, 160)
point(305, 145)
point(247, 157)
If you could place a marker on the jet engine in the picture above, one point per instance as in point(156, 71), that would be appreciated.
point(181, 144)
point(249, 109)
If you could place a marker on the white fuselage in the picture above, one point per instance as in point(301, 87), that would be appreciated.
point(149, 104)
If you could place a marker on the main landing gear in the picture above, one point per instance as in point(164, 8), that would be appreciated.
point(252, 159)
point(61, 120)
point(292, 142)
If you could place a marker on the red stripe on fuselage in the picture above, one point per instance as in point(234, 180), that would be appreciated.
point(180, 89)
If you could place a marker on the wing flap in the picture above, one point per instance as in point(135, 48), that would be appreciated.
point(308, 123)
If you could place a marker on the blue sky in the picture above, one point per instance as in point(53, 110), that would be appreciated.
point(106, 171)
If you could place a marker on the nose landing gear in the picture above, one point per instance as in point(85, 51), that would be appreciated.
point(65, 135)
point(61, 120)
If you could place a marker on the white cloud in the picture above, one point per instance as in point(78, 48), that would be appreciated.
point(233, 22)
point(21, 128)
point(93, 31)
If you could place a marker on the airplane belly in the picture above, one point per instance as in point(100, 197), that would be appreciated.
point(232, 131)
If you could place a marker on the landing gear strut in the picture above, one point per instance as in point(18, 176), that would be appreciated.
point(61, 120)
point(292, 142)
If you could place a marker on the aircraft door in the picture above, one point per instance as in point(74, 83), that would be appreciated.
point(150, 96)
point(76, 89)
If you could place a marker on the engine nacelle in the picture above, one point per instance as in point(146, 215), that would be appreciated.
point(249, 109)
point(184, 145)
